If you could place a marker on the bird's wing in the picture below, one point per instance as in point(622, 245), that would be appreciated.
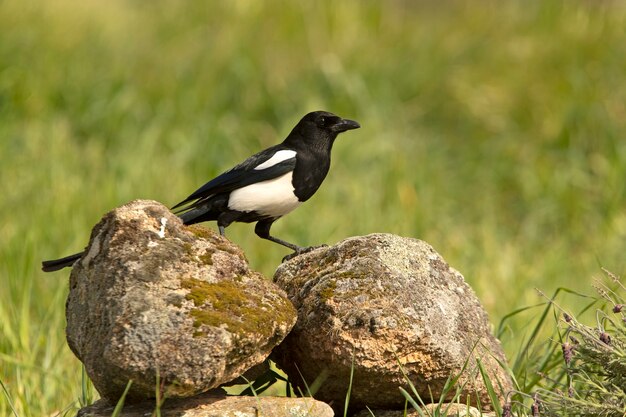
point(265, 165)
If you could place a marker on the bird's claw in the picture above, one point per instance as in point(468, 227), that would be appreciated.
point(300, 251)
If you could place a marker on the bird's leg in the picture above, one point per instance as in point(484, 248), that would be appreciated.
point(224, 220)
point(262, 229)
point(303, 250)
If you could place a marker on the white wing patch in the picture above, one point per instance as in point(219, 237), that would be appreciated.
point(277, 158)
point(273, 198)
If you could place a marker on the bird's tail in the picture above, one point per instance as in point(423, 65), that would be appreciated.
point(56, 264)
point(207, 210)
point(198, 215)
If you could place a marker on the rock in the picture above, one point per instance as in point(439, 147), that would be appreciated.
point(383, 300)
point(212, 405)
point(154, 296)
point(443, 410)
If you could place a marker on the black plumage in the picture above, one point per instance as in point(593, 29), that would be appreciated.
point(264, 187)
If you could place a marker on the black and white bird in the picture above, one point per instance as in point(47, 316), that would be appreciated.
point(264, 187)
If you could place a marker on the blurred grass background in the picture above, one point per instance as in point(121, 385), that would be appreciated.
point(492, 130)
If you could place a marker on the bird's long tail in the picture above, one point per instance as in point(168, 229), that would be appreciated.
point(208, 210)
point(197, 215)
point(56, 264)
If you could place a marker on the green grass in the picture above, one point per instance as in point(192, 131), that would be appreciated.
point(494, 131)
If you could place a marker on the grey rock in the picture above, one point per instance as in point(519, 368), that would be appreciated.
point(216, 405)
point(151, 296)
point(443, 410)
point(385, 300)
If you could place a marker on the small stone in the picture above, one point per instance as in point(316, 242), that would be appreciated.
point(152, 296)
point(443, 410)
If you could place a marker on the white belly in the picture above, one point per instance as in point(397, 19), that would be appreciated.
point(273, 198)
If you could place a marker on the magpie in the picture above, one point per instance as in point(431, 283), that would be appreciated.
point(264, 187)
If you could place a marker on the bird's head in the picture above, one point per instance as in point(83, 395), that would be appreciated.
point(320, 128)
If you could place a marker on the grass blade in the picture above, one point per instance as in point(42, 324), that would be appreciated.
point(345, 408)
point(493, 397)
point(120, 403)
point(413, 403)
point(86, 390)
point(8, 397)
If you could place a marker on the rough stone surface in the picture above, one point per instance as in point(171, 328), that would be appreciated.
point(212, 405)
point(443, 410)
point(152, 295)
point(384, 300)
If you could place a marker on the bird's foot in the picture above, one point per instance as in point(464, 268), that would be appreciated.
point(300, 251)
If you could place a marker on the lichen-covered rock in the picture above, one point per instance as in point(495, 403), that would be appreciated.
point(385, 301)
point(215, 405)
point(151, 296)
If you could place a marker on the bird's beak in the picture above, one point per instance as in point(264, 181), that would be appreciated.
point(345, 124)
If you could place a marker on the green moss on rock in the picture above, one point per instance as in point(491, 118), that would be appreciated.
point(329, 290)
point(207, 257)
point(225, 304)
point(188, 248)
point(201, 232)
point(220, 295)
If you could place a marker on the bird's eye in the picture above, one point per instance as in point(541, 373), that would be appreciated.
point(322, 120)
